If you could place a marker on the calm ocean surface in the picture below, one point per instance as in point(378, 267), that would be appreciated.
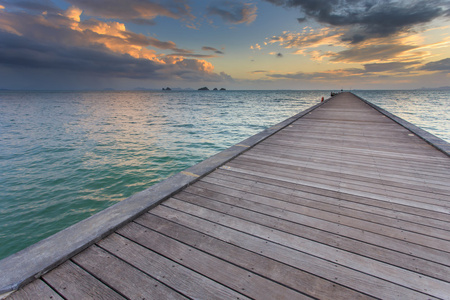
point(66, 155)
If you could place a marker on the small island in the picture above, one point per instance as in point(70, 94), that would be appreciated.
point(215, 89)
point(166, 89)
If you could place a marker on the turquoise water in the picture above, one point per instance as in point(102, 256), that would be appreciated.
point(67, 155)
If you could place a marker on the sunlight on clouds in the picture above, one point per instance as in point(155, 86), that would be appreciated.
point(7, 26)
point(113, 35)
point(318, 55)
point(256, 47)
point(74, 13)
point(137, 55)
point(309, 38)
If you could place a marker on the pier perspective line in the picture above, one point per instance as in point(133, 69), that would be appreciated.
point(341, 201)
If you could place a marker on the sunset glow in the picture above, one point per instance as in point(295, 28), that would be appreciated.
point(265, 44)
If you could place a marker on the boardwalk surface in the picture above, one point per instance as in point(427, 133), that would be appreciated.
point(344, 203)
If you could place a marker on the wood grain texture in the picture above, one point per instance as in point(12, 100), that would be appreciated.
point(35, 290)
point(72, 282)
point(129, 281)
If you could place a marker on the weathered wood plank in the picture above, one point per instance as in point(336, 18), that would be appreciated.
point(343, 190)
point(366, 213)
point(333, 255)
point(292, 162)
point(439, 184)
point(129, 281)
point(35, 290)
point(171, 273)
point(335, 179)
point(72, 282)
point(265, 246)
point(244, 281)
point(417, 259)
point(404, 192)
point(275, 187)
point(279, 272)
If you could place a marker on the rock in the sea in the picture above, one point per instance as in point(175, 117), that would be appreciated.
point(215, 89)
point(223, 89)
point(203, 89)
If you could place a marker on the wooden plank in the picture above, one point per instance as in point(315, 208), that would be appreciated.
point(333, 255)
point(332, 234)
point(411, 232)
point(172, 274)
point(35, 290)
point(72, 282)
point(247, 239)
point(335, 178)
point(274, 187)
point(129, 281)
point(239, 279)
point(311, 143)
point(324, 186)
point(228, 175)
point(371, 168)
point(330, 204)
point(260, 264)
point(298, 158)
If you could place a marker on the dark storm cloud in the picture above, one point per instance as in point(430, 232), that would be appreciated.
point(440, 65)
point(369, 18)
point(233, 12)
point(20, 52)
point(204, 48)
point(48, 45)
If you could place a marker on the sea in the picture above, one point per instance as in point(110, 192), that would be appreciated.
point(67, 155)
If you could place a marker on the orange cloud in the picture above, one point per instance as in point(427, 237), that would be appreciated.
point(64, 40)
point(73, 13)
point(141, 12)
point(309, 38)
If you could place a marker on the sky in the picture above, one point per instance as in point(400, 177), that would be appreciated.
point(249, 44)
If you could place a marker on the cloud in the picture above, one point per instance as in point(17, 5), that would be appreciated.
point(20, 52)
point(234, 12)
point(63, 42)
point(322, 76)
point(440, 65)
point(137, 11)
point(389, 67)
point(367, 19)
point(37, 6)
point(256, 47)
point(308, 38)
point(205, 48)
point(368, 53)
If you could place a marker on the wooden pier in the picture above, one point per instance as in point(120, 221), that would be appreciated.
point(338, 202)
